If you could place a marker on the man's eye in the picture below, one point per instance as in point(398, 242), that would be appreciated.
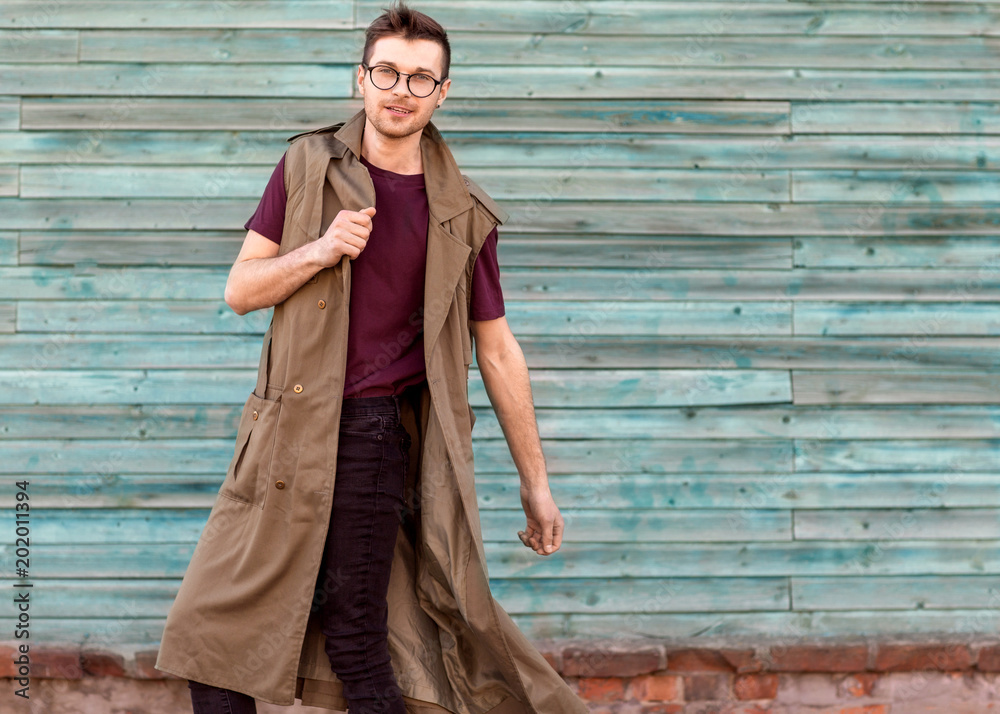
point(385, 72)
point(423, 78)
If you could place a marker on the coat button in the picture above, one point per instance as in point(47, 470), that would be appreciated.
point(322, 304)
point(255, 415)
point(279, 484)
point(297, 388)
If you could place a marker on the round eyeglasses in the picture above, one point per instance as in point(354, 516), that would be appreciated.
point(385, 77)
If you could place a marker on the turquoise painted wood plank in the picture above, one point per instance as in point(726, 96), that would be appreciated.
point(318, 14)
point(556, 388)
point(649, 388)
point(896, 117)
point(957, 318)
point(123, 214)
point(671, 493)
point(152, 597)
point(646, 595)
point(7, 317)
point(142, 525)
point(514, 250)
point(107, 351)
point(479, 48)
point(92, 419)
point(8, 248)
point(139, 631)
point(590, 116)
point(579, 183)
point(120, 386)
point(9, 180)
point(899, 593)
point(648, 279)
point(136, 316)
point(842, 387)
point(271, 46)
point(163, 248)
point(649, 318)
point(213, 455)
point(10, 113)
point(92, 561)
point(271, 80)
point(542, 627)
point(704, 18)
point(538, 317)
point(724, 83)
point(894, 455)
point(903, 252)
point(39, 45)
point(898, 524)
point(509, 558)
point(813, 558)
point(609, 147)
point(898, 187)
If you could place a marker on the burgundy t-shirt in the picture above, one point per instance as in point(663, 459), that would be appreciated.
point(385, 344)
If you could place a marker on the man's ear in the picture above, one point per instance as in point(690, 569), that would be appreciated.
point(361, 80)
point(444, 90)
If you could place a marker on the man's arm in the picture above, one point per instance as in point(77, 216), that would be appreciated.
point(505, 376)
point(260, 278)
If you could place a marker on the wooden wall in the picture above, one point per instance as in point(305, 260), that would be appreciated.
point(754, 262)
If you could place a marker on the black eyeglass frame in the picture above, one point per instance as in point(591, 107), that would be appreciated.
point(437, 82)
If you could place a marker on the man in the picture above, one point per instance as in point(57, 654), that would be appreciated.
point(375, 313)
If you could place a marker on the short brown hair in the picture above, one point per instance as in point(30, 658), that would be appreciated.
point(398, 20)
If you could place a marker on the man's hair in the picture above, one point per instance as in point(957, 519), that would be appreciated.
point(398, 20)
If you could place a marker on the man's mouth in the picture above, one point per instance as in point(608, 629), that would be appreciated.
point(401, 111)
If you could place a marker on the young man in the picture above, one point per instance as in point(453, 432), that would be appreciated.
point(344, 564)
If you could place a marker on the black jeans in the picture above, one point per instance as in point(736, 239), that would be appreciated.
point(368, 507)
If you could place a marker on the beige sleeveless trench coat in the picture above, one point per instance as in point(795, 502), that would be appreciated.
point(242, 616)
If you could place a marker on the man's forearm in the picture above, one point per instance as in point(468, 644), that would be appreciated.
point(264, 282)
point(508, 386)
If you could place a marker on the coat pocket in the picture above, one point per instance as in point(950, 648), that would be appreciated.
point(250, 468)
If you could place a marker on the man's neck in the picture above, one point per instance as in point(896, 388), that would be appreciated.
point(401, 156)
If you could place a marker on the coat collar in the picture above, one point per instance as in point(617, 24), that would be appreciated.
point(447, 192)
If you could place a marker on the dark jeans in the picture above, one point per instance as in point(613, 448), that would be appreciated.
point(368, 506)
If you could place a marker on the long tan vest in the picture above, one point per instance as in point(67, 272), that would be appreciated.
point(243, 616)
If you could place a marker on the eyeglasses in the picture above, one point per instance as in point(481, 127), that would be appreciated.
point(384, 77)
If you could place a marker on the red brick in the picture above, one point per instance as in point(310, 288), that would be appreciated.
point(989, 659)
point(56, 663)
point(710, 660)
point(656, 687)
point(702, 687)
point(751, 709)
point(144, 667)
point(601, 689)
point(611, 662)
point(7, 657)
point(871, 709)
point(103, 664)
point(860, 684)
point(661, 708)
point(818, 658)
point(755, 686)
point(906, 658)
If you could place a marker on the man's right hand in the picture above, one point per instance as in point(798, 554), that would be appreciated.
point(347, 235)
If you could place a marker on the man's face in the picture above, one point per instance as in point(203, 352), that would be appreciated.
point(396, 112)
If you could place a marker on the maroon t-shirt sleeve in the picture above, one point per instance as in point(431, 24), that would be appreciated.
point(487, 297)
point(269, 218)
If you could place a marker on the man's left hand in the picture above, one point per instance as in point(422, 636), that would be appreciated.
point(544, 531)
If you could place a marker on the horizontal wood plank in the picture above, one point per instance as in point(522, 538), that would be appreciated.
point(854, 387)
point(898, 187)
point(89, 79)
point(958, 318)
point(318, 14)
point(894, 455)
point(898, 524)
point(896, 593)
point(8, 248)
point(10, 114)
point(26, 45)
point(603, 118)
point(165, 248)
point(940, 253)
point(8, 320)
point(950, 118)
point(492, 456)
point(9, 183)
